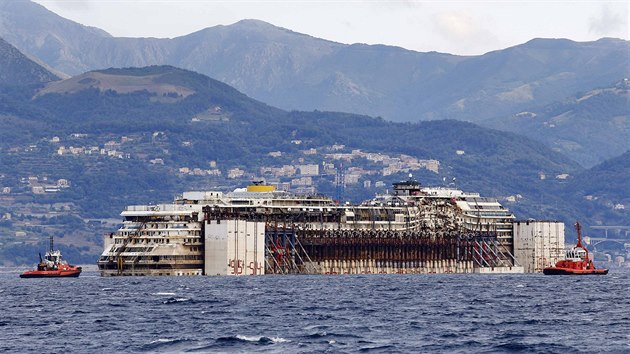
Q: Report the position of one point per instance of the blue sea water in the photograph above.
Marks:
(316, 314)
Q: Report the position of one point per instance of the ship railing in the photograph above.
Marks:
(123, 247)
(140, 208)
(160, 207)
(131, 226)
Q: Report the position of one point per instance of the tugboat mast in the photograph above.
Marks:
(578, 228)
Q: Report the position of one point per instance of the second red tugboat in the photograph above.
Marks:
(576, 261)
(52, 266)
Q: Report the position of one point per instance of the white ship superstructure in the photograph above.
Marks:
(162, 239)
(259, 230)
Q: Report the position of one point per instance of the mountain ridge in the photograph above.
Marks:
(297, 71)
(591, 126)
(19, 70)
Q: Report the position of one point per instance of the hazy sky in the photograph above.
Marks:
(458, 27)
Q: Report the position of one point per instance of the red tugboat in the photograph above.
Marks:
(52, 266)
(576, 262)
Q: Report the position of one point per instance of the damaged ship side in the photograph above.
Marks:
(264, 231)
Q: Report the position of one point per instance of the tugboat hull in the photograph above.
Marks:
(561, 271)
(52, 274)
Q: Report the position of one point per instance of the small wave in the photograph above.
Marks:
(318, 334)
(252, 339)
(173, 300)
(262, 339)
(345, 335)
(512, 347)
(211, 301)
(32, 305)
(107, 289)
(163, 342)
(520, 286)
(318, 326)
(383, 347)
(163, 294)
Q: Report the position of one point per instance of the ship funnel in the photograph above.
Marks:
(260, 187)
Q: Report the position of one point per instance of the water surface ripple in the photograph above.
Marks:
(316, 314)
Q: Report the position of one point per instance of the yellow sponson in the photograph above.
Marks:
(260, 188)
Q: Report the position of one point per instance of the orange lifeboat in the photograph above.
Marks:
(576, 261)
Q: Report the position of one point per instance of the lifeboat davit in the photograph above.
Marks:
(576, 261)
(52, 266)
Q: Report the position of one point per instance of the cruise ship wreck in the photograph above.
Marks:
(260, 230)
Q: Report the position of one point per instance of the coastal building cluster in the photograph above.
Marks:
(42, 184)
(358, 165)
(303, 170)
(110, 148)
(302, 174)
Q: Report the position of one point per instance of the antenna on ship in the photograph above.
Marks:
(51, 244)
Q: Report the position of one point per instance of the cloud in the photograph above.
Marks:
(610, 21)
(465, 31)
(407, 4)
(457, 26)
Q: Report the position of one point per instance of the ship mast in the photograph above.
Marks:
(579, 243)
(578, 228)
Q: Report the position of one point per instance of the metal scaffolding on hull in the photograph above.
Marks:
(372, 251)
(293, 246)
